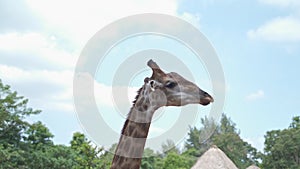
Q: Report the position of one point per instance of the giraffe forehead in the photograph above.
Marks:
(173, 76)
(177, 78)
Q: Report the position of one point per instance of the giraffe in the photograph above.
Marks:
(161, 89)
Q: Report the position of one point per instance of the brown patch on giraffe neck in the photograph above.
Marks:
(130, 149)
(135, 129)
(131, 145)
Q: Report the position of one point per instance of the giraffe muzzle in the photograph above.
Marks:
(205, 98)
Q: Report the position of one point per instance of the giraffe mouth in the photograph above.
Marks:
(206, 98)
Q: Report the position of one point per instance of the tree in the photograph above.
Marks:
(169, 146)
(86, 154)
(13, 111)
(228, 140)
(148, 161)
(51, 157)
(193, 139)
(11, 157)
(227, 126)
(107, 157)
(239, 151)
(199, 140)
(38, 134)
(176, 161)
(226, 137)
(25, 145)
(29, 145)
(282, 147)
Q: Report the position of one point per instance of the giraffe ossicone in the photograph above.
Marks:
(161, 89)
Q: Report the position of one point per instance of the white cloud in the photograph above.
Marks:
(34, 49)
(17, 75)
(282, 28)
(256, 95)
(16, 41)
(279, 29)
(49, 90)
(55, 88)
(79, 20)
(39, 65)
(105, 95)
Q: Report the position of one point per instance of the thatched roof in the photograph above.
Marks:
(214, 158)
(253, 167)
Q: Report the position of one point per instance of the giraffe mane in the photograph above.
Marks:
(137, 96)
(134, 102)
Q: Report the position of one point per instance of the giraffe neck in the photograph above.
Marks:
(131, 145)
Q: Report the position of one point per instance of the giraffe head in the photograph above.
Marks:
(176, 90)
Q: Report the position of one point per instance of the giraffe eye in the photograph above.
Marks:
(170, 84)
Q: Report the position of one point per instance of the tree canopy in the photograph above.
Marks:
(28, 145)
(282, 147)
(226, 137)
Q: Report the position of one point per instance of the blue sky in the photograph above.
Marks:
(257, 41)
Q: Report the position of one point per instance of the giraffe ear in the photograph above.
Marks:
(152, 85)
(157, 72)
(152, 64)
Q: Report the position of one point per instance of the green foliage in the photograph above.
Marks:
(199, 140)
(11, 157)
(148, 159)
(38, 134)
(227, 126)
(107, 157)
(176, 161)
(226, 137)
(27, 145)
(30, 146)
(169, 146)
(56, 156)
(13, 111)
(282, 147)
(229, 141)
(86, 154)
(239, 151)
(193, 139)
